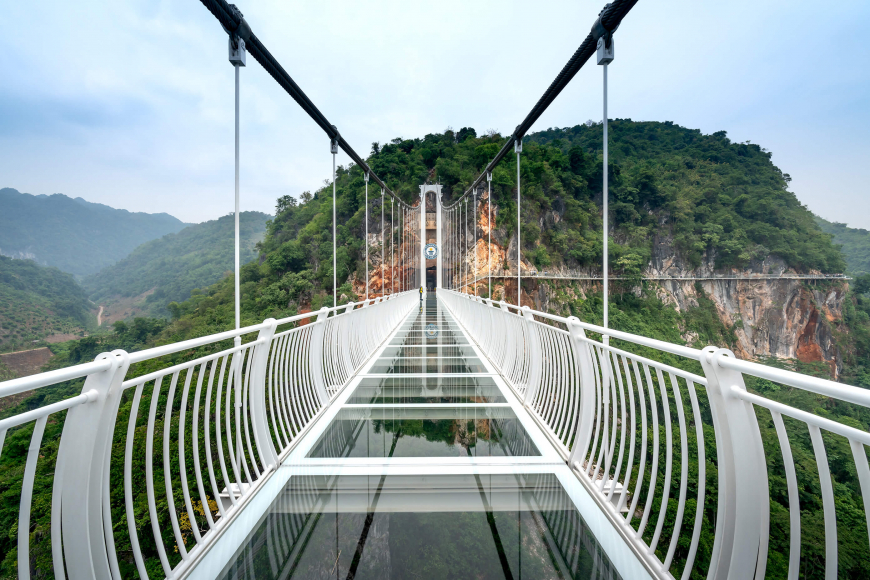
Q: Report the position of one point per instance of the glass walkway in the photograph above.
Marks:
(425, 466)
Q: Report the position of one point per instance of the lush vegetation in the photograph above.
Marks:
(36, 302)
(855, 243)
(169, 268)
(74, 235)
(716, 200)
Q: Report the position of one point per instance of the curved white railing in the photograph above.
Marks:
(194, 435)
(633, 429)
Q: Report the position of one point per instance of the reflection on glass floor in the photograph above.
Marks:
(499, 516)
(431, 431)
(428, 365)
(434, 350)
(434, 390)
(435, 527)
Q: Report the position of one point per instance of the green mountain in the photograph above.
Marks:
(37, 302)
(855, 242)
(709, 193)
(74, 235)
(704, 192)
(167, 269)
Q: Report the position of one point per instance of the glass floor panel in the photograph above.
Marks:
(432, 332)
(368, 527)
(429, 350)
(436, 431)
(429, 365)
(421, 340)
(416, 390)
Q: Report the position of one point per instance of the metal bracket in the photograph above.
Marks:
(237, 39)
(237, 51)
(489, 175)
(605, 50)
(366, 176)
(333, 143)
(603, 38)
(518, 145)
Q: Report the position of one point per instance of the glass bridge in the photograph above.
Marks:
(458, 437)
(426, 466)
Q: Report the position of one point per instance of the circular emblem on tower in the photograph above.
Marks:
(431, 251)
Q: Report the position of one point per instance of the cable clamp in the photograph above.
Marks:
(603, 38)
(237, 38)
(333, 143)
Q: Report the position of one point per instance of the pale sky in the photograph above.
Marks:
(130, 102)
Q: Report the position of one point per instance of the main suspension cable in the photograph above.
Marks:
(608, 21)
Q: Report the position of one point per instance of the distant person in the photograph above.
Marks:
(421, 294)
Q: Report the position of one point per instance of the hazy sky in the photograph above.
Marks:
(130, 102)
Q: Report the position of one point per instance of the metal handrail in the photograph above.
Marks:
(606, 409)
(214, 426)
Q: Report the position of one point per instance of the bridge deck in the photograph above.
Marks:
(425, 465)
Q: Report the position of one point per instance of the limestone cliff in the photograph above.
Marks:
(771, 313)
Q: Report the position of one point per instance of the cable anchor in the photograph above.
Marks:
(237, 38)
(603, 38)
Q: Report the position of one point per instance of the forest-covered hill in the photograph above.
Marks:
(177, 263)
(37, 302)
(712, 197)
(74, 235)
(855, 242)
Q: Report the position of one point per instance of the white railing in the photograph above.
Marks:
(177, 449)
(633, 429)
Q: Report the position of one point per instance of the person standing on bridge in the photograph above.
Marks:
(421, 294)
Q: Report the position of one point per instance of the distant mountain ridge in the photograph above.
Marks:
(38, 302)
(855, 242)
(167, 269)
(72, 234)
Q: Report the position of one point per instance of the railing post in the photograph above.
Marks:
(586, 420)
(743, 513)
(315, 355)
(81, 481)
(533, 347)
(259, 414)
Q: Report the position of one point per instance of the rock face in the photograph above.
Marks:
(774, 315)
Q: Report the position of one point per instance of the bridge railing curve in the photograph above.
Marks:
(182, 444)
(641, 432)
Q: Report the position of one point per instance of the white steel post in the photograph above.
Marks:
(439, 273)
(367, 232)
(257, 393)
(518, 148)
(237, 57)
(489, 223)
(383, 249)
(743, 512)
(83, 461)
(315, 355)
(586, 421)
(606, 217)
(534, 349)
(474, 244)
(464, 247)
(333, 147)
(605, 57)
(392, 254)
(422, 268)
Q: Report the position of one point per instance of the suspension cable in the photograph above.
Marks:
(608, 21)
(234, 24)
